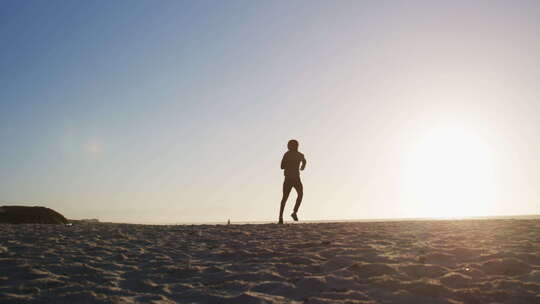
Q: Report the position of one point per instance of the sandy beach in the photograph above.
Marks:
(467, 261)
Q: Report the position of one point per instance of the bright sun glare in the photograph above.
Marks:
(449, 172)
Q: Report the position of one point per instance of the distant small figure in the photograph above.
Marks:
(291, 163)
(228, 221)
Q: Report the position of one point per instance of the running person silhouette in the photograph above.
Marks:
(290, 164)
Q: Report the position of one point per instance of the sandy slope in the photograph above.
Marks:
(482, 261)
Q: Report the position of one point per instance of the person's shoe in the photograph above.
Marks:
(280, 221)
(294, 217)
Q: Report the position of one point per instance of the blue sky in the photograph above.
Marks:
(171, 111)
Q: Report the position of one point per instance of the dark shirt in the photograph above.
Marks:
(291, 163)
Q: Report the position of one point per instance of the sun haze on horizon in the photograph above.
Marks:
(180, 111)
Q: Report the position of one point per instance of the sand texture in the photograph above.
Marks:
(470, 261)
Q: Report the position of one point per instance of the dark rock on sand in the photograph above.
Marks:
(30, 215)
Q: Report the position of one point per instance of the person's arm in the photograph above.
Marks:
(303, 163)
(283, 162)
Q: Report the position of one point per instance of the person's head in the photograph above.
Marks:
(292, 145)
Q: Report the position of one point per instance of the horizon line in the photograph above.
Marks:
(450, 218)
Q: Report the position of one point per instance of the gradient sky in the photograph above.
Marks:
(180, 111)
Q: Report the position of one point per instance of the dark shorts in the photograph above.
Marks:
(292, 182)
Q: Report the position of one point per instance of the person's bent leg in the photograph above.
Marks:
(300, 190)
(287, 186)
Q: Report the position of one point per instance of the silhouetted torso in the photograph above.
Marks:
(291, 163)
